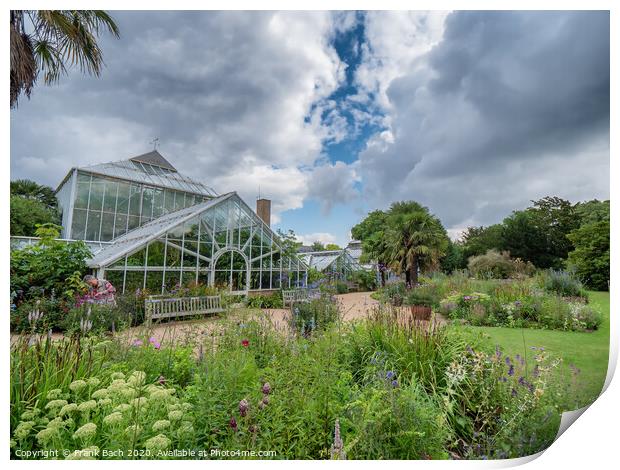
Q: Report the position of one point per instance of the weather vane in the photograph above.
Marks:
(155, 143)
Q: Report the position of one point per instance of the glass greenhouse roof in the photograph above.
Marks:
(321, 260)
(135, 239)
(151, 169)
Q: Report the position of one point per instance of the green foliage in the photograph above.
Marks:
(495, 265)
(264, 301)
(478, 240)
(341, 287)
(365, 280)
(454, 258)
(317, 246)
(316, 314)
(314, 276)
(332, 247)
(95, 319)
(590, 259)
(415, 239)
(31, 190)
(397, 390)
(52, 312)
(46, 266)
(27, 214)
(371, 232)
(562, 283)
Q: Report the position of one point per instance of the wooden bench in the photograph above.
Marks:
(289, 297)
(157, 307)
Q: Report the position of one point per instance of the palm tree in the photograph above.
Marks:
(415, 239)
(50, 41)
(32, 190)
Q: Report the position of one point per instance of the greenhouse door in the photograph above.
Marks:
(230, 270)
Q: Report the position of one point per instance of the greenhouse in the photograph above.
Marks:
(220, 242)
(101, 202)
(336, 264)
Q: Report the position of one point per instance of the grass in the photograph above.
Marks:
(588, 351)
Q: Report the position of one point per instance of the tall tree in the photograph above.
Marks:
(590, 259)
(50, 42)
(416, 239)
(371, 232)
(26, 214)
(318, 246)
(31, 190)
(477, 241)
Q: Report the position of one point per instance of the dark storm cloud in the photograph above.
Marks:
(501, 97)
(225, 92)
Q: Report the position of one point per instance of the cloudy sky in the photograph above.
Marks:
(472, 114)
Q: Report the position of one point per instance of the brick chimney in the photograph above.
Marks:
(263, 210)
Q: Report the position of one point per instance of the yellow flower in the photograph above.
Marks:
(175, 415)
(68, 409)
(87, 405)
(86, 431)
(78, 386)
(104, 402)
(30, 414)
(53, 394)
(157, 443)
(94, 382)
(113, 419)
(102, 393)
(55, 404)
(161, 425)
(46, 435)
(23, 429)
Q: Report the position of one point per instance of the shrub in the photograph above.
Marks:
(43, 268)
(365, 280)
(95, 319)
(52, 312)
(561, 283)
(395, 293)
(493, 265)
(264, 301)
(341, 287)
(315, 314)
(426, 295)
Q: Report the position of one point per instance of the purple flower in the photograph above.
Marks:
(266, 389)
(513, 392)
(511, 370)
(156, 344)
(243, 407)
(536, 371)
(394, 383)
(390, 374)
(518, 303)
(508, 362)
(498, 353)
(467, 297)
(233, 423)
(137, 342)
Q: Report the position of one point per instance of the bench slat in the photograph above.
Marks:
(155, 308)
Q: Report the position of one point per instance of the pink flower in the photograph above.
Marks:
(266, 388)
(245, 343)
(137, 342)
(156, 344)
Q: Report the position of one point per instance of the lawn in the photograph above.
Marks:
(588, 352)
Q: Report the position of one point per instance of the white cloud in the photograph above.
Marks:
(322, 237)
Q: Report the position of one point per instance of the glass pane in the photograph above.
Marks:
(173, 257)
(115, 278)
(78, 227)
(147, 202)
(191, 230)
(109, 197)
(83, 178)
(107, 227)
(178, 200)
(123, 198)
(137, 259)
(96, 194)
(93, 223)
(134, 200)
(134, 280)
(81, 197)
(153, 281)
(158, 202)
(168, 201)
(120, 225)
(171, 280)
(133, 222)
(156, 254)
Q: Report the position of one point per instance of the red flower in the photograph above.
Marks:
(245, 343)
